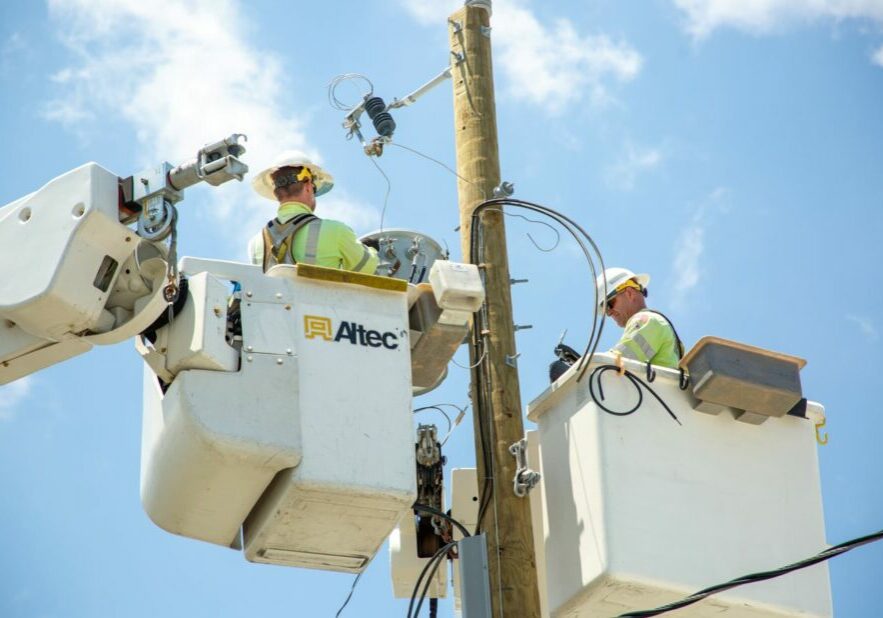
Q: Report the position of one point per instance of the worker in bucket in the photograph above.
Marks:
(296, 235)
(648, 335)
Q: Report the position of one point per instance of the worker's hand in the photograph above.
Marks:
(372, 242)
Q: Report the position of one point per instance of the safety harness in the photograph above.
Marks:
(679, 345)
(279, 239)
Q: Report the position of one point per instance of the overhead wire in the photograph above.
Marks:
(461, 412)
(536, 221)
(388, 190)
(438, 409)
(758, 577)
(350, 595)
(473, 365)
(439, 163)
(580, 236)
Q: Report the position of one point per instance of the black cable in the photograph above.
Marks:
(758, 577)
(576, 231)
(433, 608)
(349, 596)
(435, 560)
(579, 235)
(428, 509)
(438, 409)
(439, 560)
(595, 377)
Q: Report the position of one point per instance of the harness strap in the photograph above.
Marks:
(679, 345)
(279, 239)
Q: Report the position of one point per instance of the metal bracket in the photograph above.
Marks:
(514, 281)
(518, 327)
(525, 478)
(512, 361)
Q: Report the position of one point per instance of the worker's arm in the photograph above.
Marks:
(256, 249)
(354, 255)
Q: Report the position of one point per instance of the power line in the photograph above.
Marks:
(758, 577)
(349, 596)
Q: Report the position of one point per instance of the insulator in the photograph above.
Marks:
(382, 119)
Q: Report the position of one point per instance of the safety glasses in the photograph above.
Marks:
(611, 300)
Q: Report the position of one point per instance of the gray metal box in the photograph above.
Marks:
(736, 375)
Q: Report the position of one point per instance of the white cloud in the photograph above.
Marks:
(13, 394)
(182, 74)
(634, 160)
(690, 247)
(877, 57)
(765, 16)
(866, 326)
(549, 65)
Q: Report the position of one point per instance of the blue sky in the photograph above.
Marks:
(730, 149)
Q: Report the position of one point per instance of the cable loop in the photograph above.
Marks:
(595, 378)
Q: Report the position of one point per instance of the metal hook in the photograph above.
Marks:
(651, 373)
(684, 380)
(821, 440)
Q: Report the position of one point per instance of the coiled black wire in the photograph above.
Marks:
(638, 383)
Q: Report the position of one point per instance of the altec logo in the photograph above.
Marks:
(321, 327)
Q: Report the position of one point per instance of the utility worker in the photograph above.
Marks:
(648, 335)
(296, 235)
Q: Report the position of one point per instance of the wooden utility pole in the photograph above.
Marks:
(511, 557)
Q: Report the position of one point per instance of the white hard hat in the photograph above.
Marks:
(263, 182)
(615, 278)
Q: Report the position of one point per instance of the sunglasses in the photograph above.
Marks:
(611, 300)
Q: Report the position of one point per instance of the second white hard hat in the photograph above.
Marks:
(616, 277)
(263, 182)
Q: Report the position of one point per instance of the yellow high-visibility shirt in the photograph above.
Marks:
(324, 242)
(649, 337)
